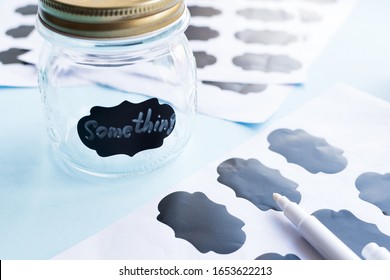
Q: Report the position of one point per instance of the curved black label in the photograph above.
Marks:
(127, 128)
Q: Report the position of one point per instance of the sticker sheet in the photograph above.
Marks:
(244, 50)
(16, 31)
(320, 19)
(269, 42)
(247, 41)
(331, 157)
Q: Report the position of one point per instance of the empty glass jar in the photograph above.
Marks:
(118, 82)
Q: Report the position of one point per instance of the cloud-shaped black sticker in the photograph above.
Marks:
(266, 15)
(267, 62)
(375, 188)
(10, 56)
(252, 180)
(266, 37)
(204, 59)
(21, 31)
(311, 152)
(276, 256)
(205, 224)
(354, 232)
(27, 10)
(127, 128)
(200, 33)
(198, 11)
(237, 87)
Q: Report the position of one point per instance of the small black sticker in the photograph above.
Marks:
(27, 10)
(237, 87)
(204, 59)
(197, 11)
(204, 223)
(276, 256)
(200, 33)
(267, 62)
(21, 31)
(127, 128)
(10, 56)
(265, 15)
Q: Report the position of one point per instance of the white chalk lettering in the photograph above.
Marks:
(89, 125)
(142, 124)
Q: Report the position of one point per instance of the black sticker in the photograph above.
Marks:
(204, 59)
(21, 31)
(197, 11)
(202, 222)
(200, 33)
(10, 56)
(127, 128)
(237, 87)
(27, 10)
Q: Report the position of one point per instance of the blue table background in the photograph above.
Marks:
(44, 211)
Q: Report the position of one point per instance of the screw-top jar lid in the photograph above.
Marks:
(109, 18)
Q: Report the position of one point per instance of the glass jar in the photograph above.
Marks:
(118, 82)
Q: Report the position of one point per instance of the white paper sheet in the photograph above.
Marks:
(225, 47)
(17, 74)
(250, 107)
(311, 23)
(320, 21)
(353, 122)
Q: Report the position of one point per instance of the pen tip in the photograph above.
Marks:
(276, 196)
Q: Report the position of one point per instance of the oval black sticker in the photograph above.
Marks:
(127, 128)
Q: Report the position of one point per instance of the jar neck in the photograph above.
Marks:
(146, 40)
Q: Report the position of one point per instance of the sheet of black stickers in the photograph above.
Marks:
(261, 41)
(18, 38)
(247, 41)
(247, 49)
(243, 50)
(330, 157)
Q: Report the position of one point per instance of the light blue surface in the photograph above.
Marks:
(44, 211)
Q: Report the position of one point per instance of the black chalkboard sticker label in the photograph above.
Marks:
(127, 128)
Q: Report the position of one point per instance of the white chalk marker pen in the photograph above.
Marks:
(318, 235)
(372, 251)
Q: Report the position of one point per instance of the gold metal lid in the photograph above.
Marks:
(109, 18)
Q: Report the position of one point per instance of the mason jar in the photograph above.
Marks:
(118, 83)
